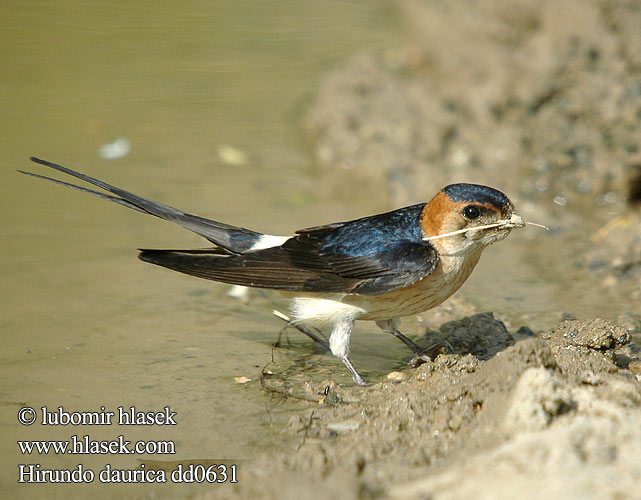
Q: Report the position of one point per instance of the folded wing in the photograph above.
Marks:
(327, 259)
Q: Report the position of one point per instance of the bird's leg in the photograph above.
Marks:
(339, 345)
(338, 342)
(358, 380)
(390, 326)
(421, 355)
(315, 337)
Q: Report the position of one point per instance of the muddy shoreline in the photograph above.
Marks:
(543, 100)
(555, 412)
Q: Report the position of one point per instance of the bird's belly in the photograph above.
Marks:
(438, 286)
(414, 299)
(320, 309)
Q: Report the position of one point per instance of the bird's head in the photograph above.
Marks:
(464, 218)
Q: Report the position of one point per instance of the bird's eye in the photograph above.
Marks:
(471, 212)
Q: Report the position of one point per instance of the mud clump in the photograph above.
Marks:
(480, 335)
(587, 346)
(540, 412)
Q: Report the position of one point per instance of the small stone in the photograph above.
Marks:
(525, 330)
(115, 150)
(242, 380)
(231, 155)
(635, 366)
(344, 427)
(396, 377)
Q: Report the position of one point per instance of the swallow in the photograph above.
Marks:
(376, 268)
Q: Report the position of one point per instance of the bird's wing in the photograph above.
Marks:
(232, 238)
(281, 269)
(368, 256)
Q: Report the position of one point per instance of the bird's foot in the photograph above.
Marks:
(422, 355)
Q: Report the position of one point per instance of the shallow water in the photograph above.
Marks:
(84, 323)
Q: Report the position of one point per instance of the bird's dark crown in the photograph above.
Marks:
(479, 194)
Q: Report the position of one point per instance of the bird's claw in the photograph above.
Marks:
(426, 355)
(418, 360)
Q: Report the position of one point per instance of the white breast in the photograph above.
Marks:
(446, 279)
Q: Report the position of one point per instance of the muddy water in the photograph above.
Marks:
(84, 324)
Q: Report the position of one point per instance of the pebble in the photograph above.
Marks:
(343, 427)
(231, 155)
(115, 150)
(396, 376)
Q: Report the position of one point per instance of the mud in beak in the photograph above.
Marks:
(515, 221)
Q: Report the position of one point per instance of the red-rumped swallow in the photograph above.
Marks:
(376, 268)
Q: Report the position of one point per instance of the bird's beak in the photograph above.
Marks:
(516, 221)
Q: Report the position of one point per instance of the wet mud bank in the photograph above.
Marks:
(553, 415)
(543, 101)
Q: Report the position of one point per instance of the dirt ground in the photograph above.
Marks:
(554, 415)
(542, 99)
